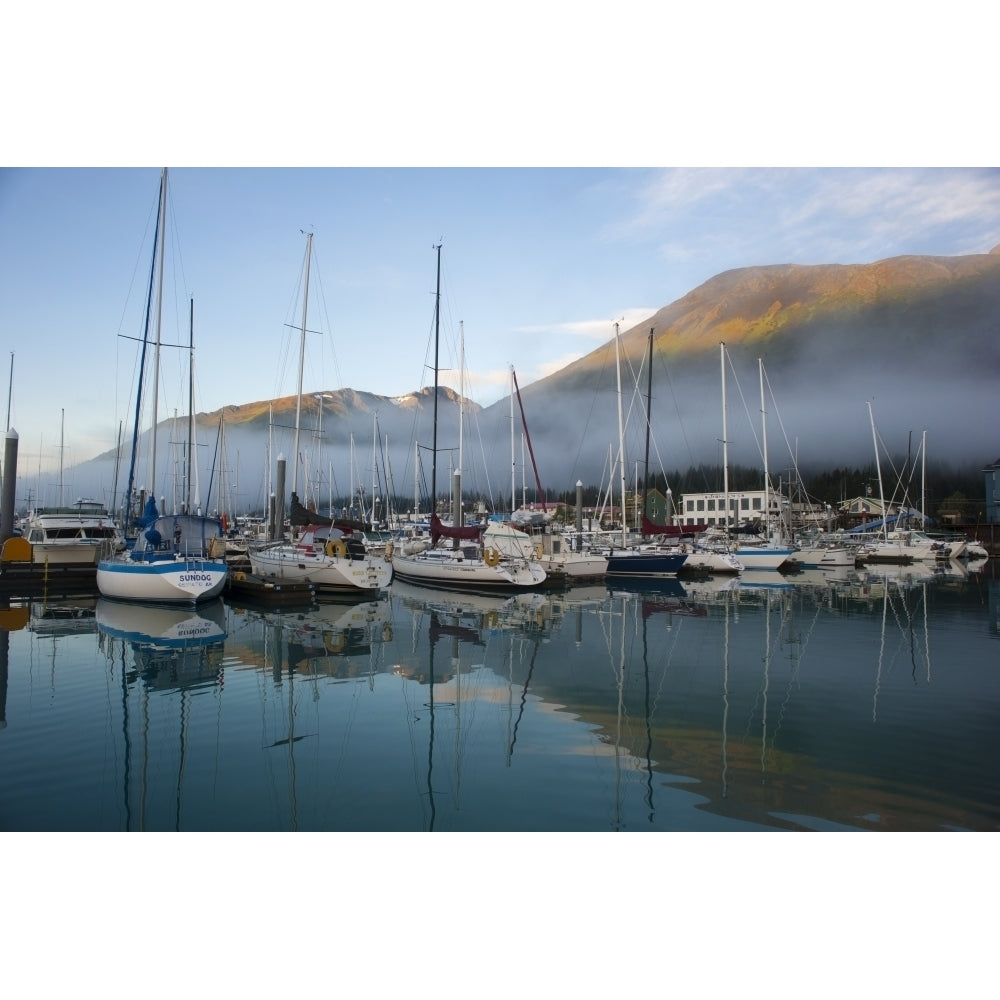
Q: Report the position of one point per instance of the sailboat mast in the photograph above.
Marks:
(767, 479)
(513, 463)
(649, 403)
(725, 437)
(621, 433)
(187, 475)
(388, 484)
(437, 332)
(62, 452)
(526, 439)
(923, 479)
(10, 388)
(159, 317)
(461, 396)
(302, 355)
(127, 511)
(878, 470)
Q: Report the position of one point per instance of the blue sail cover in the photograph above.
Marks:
(149, 513)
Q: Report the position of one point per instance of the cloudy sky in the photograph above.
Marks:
(540, 256)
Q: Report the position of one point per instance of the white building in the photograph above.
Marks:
(745, 507)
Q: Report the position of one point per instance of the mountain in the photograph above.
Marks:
(335, 446)
(919, 337)
(915, 336)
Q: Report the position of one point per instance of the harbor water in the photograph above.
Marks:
(861, 700)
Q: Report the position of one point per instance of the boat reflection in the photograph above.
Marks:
(340, 640)
(463, 652)
(176, 653)
(479, 613)
(63, 617)
(171, 647)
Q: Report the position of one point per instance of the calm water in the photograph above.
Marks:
(861, 702)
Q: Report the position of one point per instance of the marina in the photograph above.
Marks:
(829, 700)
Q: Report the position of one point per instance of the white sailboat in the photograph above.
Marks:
(329, 554)
(176, 558)
(766, 554)
(467, 561)
(554, 550)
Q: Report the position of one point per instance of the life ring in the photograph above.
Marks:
(334, 642)
(336, 549)
(491, 557)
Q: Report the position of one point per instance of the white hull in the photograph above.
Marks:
(453, 570)
(80, 535)
(975, 550)
(706, 561)
(298, 563)
(956, 549)
(763, 557)
(825, 556)
(574, 565)
(904, 546)
(72, 552)
(178, 581)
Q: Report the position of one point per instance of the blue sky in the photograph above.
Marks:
(516, 148)
(537, 264)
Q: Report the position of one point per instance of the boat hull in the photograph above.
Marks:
(307, 564)
(574, 565)
(825, 556)
(74, 552)
(645, 564)
(763, 557)
(175, 581)
(437, 569)
(706, 561)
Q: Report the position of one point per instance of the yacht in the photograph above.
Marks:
(79, 535)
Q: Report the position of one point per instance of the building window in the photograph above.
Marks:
(744, 503)
(711, 505)
(756, 503)
(701, 505)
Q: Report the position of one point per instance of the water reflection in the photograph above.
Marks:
(62, 617)
(709, 704)
(458, 648)
(172, 650)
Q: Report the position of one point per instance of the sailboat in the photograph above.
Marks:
(765, 554)
(650, 558)
(554, 550)
(176, 558)
(329, 554)
(468, 563)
